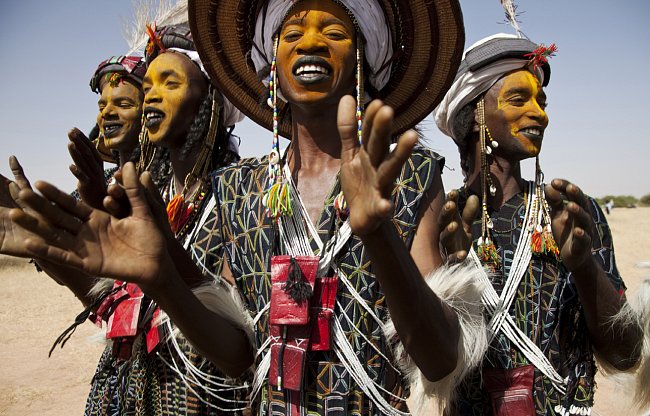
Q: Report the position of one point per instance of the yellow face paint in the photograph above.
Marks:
(316, 57)
(515, 114)
(174, 88)
(120, 112)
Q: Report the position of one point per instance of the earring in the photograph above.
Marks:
(542, 242)
(486, 249)
(277, 198)
(147, 150)
(340, 206)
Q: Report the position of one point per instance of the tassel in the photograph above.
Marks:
(341, 207)
(278, 200)
(488, 254)
(178, 212)
(296, 285)
(81, 318)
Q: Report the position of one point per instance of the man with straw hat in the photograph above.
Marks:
(554, 292)
(329, 239)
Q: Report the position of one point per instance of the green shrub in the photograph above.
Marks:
(645, 200)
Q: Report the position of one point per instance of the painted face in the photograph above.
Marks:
(120, 111)
(174, 88)
(515, 116)
(316, 56)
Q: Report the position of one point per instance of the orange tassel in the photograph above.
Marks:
(178, 212)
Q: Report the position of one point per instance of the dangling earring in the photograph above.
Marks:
(486, 249)
(542, 242)
(340, 206)
(185, 203)
(277, 198)
(147, 150)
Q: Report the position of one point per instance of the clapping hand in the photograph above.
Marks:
(369, 171)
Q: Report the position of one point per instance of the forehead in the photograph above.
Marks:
(517, 80)
(123, 88)
(173, 62)
(316, 11)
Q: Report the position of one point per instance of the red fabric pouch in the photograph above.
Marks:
(321, 313)
(284, 309)
(511, 391)
(124, 320)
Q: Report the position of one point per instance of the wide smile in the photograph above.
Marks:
(533, 132)
(111, 129)
(153, 117)
(311, 70)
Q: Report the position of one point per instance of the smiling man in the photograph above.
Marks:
(550, 302)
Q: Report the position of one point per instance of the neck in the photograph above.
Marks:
(316, 142)
(182, 166)
(505, 174)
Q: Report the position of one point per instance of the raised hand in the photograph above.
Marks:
(74, 234)
(368, 172)
(88, 168)
(571, 222)
(456, 227)
(12, 236)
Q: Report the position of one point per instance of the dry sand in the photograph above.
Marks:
(34, 311)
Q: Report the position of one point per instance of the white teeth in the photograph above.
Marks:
(149, 116)
(311, 68)
(532, 130)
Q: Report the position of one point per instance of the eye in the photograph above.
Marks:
(292, 36)
(336, 34)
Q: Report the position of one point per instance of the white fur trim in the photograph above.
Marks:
(224, 300)
(459, 287)
(101, 284)
(642, 306)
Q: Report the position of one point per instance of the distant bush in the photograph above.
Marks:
(620, 201)
(645, 200)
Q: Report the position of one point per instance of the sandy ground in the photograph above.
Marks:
(34, 311)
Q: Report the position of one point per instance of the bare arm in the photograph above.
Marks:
(574, 228)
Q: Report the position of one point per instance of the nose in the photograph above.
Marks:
(311, 43)
(537, 112)
(152, 95)
(108, 111)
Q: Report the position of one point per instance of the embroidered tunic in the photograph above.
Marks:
(249, 234)
(548, 310)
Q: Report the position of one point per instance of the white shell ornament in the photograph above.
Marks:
(274, 157)
(494, 144)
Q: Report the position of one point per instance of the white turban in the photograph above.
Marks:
(231, 114)
(471, 84)
(372, 22)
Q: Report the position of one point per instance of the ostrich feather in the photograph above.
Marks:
(511, 16)
(161, 12)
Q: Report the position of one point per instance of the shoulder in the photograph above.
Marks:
(243, 173)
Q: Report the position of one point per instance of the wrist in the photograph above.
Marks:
(585, 270)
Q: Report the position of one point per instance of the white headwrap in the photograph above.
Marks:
(471, 84)
(378, 48)
(231, 114)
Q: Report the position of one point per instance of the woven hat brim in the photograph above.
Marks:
(429, 34)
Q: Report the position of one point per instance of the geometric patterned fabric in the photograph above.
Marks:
(249, 238)
(547, 309)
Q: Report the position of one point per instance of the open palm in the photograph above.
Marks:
(369, 171)
(71, 233)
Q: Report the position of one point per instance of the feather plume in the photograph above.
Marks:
(160, 12)
(511, 16)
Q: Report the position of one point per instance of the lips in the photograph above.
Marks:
(153, 117)
(111, 128)
(311, 70)
(533, 132)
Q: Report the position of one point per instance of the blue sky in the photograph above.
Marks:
(599, 94)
